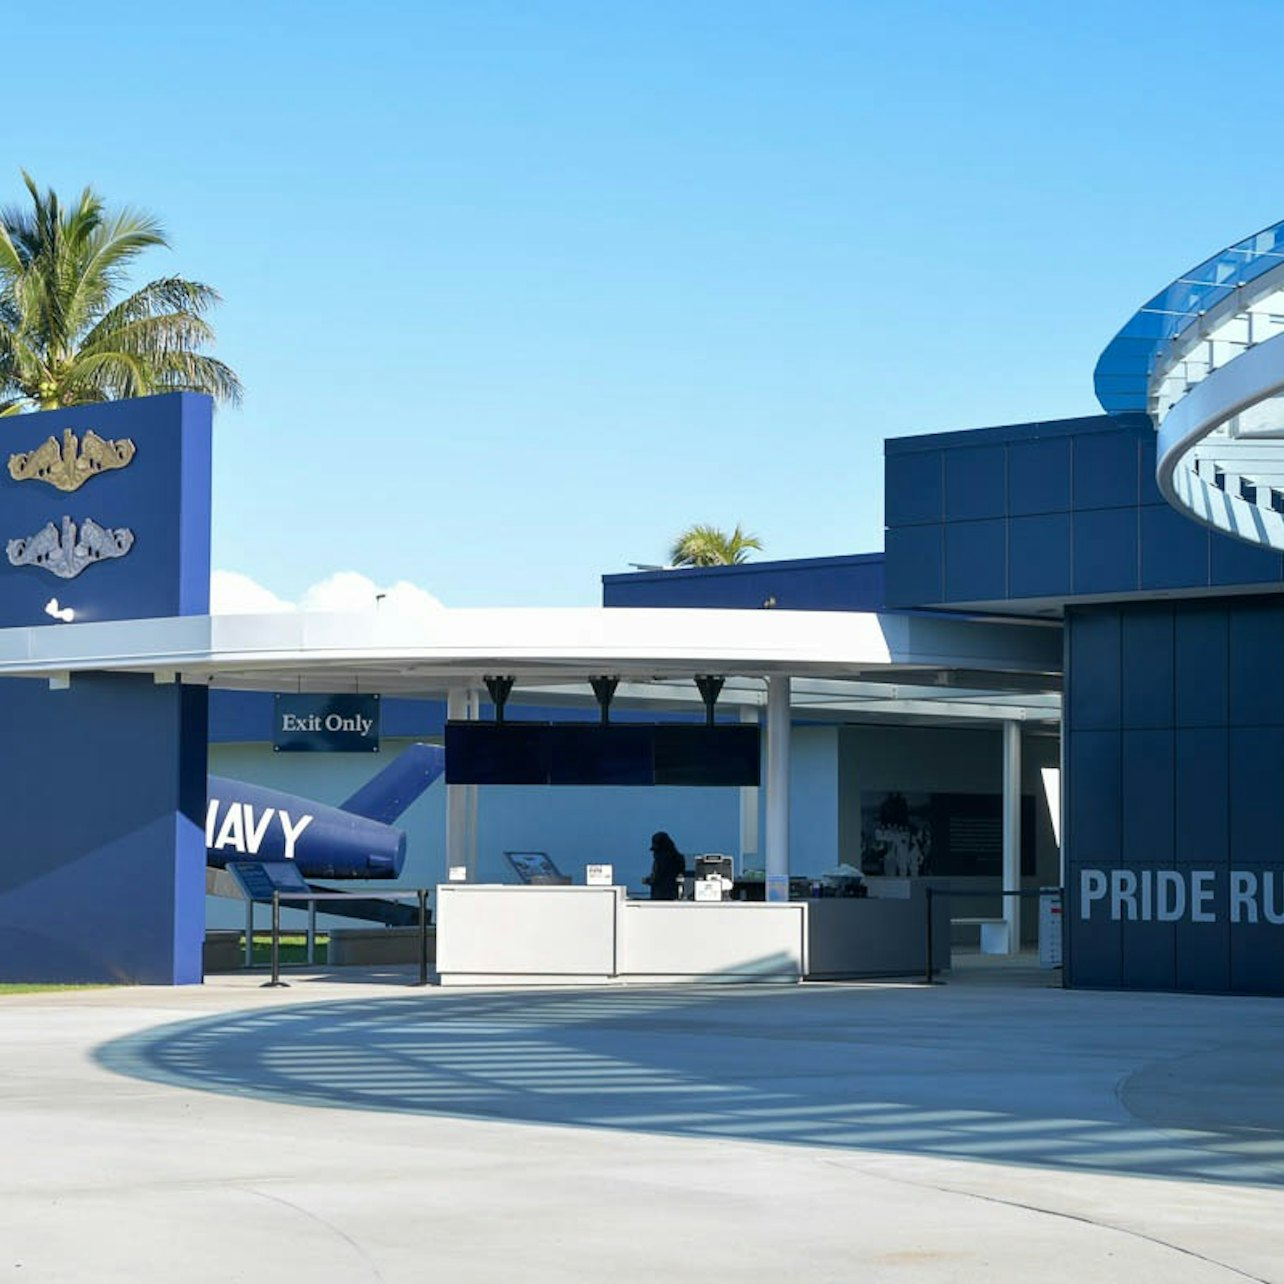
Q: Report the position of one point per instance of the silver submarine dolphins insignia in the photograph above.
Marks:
(66, 553)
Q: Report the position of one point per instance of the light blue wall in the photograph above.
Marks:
(612, 825)
(813, 800)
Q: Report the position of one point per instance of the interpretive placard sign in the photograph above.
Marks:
(326, 724)
(1049, 928)
(259, 879)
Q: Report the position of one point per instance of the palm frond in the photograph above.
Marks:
(66, 337)
(170, 295)
(703, 545)
(196, 372)
(99, 265)
(106, 376)
(147, 336)
(10, 259)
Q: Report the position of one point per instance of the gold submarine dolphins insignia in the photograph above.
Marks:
(70, 464)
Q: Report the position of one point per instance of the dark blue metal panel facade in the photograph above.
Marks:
(1046, 511)
(852, 583)
(1174, 693)
(1174, 790)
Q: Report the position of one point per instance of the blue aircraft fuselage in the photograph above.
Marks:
(354, 840)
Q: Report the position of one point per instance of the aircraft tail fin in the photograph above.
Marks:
(398, 785)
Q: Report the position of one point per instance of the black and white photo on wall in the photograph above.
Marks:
(913, 834)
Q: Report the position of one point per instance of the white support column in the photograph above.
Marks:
(457, 806)
(749, 841)
(471, 794)
(1012, 832)
(778, 729)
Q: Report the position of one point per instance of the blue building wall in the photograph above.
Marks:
(1046, 511)
(848, 583)
(162, 496)
(1174, 750)
(102, 845)
(815, 786)
(102, 851)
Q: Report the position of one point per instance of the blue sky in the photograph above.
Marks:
(518, 288)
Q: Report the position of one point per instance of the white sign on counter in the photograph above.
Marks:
(599, 875)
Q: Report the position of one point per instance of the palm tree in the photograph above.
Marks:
(711, 546)
(65, 335)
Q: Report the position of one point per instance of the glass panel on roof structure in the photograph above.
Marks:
(1248, 316)
(1222, 468)
(1124, 371)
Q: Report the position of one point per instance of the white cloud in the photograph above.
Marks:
(232, 593)
(350, 591)
(410, 599)
(342, 591)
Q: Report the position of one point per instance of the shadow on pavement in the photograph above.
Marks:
(1088, 1082)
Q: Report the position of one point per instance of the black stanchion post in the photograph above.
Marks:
(927, 980)
(423, 936)
(276, 981)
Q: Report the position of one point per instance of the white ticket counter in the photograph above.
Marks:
(712, 941)
(492, 934)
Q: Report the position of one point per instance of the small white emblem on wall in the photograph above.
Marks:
(66, 552)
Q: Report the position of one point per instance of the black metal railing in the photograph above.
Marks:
(419, 894)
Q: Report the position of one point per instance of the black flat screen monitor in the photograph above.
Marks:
(623, 753)
(593, 754)
(724, 754)
(496, 753)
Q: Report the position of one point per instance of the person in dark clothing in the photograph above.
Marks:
(668, 865)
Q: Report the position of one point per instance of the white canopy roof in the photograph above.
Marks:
(1013, 669)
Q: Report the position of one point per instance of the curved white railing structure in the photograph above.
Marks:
(1205, 360)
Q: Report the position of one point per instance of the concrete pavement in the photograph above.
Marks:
(345, 1132)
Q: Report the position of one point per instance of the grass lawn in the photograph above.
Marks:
(26, 988)
(294, 948)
